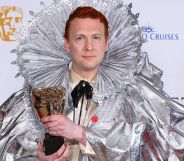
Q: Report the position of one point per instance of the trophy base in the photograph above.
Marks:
(52, 143)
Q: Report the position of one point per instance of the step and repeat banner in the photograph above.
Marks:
(164, 33)
(13, 13)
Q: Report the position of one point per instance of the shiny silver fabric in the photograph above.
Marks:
(20, 129)
(137, 121)
(139, 125)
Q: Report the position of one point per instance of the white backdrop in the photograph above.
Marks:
(165, 17)
(8, 82)
(165, 35)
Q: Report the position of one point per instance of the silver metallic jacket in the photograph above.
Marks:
(137, 121)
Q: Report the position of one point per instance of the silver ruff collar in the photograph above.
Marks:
(43, 61)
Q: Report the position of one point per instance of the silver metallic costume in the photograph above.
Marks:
(137, 120)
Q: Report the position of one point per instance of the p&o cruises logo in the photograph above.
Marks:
(149, 33)
(178, 99)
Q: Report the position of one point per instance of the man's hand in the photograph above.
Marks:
(61, 155)
(60, 125)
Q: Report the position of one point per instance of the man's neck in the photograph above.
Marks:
(85, 75)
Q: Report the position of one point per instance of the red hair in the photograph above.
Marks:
(86, 12)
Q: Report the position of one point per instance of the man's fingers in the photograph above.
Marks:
(66, 152)
(64, 155)
(50, 118)
(51, 124)
(54, 133)
(61, 150)
(40, 148)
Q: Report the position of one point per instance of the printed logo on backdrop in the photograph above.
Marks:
(150, 33)
(10, 22)
(179, 99)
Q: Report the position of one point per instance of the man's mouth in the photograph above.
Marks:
(88, 57)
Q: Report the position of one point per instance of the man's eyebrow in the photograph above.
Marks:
(91, 34)
(78, 34)
(83, 35)
(99, 34)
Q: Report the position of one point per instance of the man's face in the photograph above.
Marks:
(10, 25)
(86, 44)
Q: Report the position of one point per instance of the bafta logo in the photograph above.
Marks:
(10, 22)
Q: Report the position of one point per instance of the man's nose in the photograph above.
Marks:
(89, 45)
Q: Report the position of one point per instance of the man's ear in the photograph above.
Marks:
(107, 43)
(66, 46)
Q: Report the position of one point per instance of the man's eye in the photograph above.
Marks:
(79, 38)
(96, 37)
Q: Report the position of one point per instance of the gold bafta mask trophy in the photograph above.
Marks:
(49, 101)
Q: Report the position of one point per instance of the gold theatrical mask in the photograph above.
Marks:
(10, 22)
(49, 101)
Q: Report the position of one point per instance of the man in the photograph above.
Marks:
(10, 22)
(86, 40)
(129, 116)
